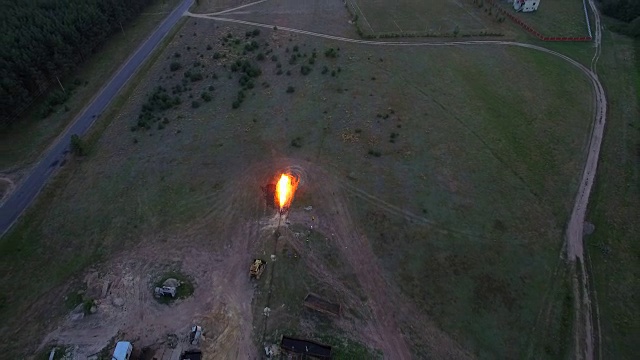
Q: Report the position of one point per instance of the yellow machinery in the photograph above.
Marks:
(257, 268)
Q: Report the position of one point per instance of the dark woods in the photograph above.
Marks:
(625, 10)
(44, 39)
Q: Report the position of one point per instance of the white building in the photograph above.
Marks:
(526, 5)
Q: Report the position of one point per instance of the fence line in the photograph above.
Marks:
(537, 34)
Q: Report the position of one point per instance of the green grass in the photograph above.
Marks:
(615, 204)
(23, 143)
(555, 18)
(412, 16)
(347, 349)
(488, 148)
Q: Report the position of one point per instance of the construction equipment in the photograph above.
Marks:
(257, 268)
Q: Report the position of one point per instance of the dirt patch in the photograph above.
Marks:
(126, 310)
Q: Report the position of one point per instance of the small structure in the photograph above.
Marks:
(315, 302)
(122, 351)
(306, 348)
(526, 5)
(192, 355)
(165, 291)
(195, 334)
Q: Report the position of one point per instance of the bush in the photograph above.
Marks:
(175, 66)
(290, 89)
(331, 53)
(209, 47)
(297, 142)
(195, 104)
(77, 145)
(374, 153)
(324, 70)
(216, 55)
(176, 55)
(274, 58)
(305, 70)
(295, 48)
(205, 96)
(260, 57)
(196, 76)
(235, 104)
(255, 32)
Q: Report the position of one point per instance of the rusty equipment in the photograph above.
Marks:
(257, 268)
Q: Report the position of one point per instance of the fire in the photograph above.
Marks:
(285, 189)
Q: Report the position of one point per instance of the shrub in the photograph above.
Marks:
(195, 104)
(255, 32)
(216, 55)
(274, 57)
(325, 70)
(297, 142)
(176, 55)
(211, 88)
(175, 66)
(196, 76)
(77, 145)
(295, 48)
(290, 89)
(235, 104)
(209, 47)
(331, 53)
(260, 57)
(305, 70)
(205, 96)
(312, 60)
(374, 153)
(293, 59)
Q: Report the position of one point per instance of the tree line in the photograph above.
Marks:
(44, 40)
(625, 10)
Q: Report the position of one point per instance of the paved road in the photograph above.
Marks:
(30, 186)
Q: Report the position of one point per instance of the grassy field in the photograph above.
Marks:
(411, 16)
(615, 207)
(556, 18)
(22, 144)
(479, 141)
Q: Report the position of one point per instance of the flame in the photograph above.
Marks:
(285, 189)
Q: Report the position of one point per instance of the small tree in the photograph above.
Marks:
(78, 146)
(456, 31)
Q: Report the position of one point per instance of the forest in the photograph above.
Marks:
(42, 40)
(625, 10)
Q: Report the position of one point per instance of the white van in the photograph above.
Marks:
(122, 351)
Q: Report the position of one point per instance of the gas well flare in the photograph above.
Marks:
(285, 189)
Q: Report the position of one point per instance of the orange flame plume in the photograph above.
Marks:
(285, 189)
